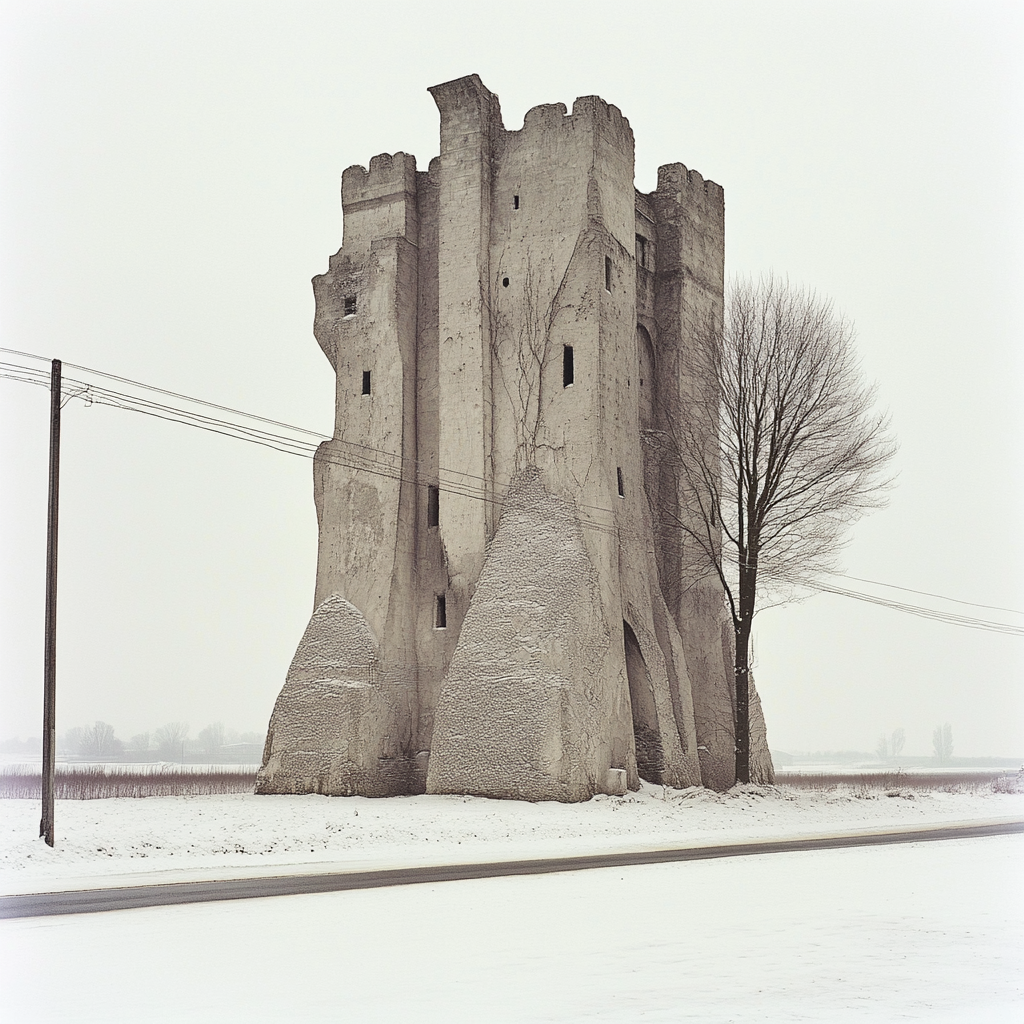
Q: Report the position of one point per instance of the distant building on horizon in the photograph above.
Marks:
(500, 605)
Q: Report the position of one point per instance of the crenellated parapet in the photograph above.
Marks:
(379, 202)
(691, 213)
(676, 181)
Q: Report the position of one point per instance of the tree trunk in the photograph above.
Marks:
(742, 625)
(742, 633)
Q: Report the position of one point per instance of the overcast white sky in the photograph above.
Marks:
(169, 183)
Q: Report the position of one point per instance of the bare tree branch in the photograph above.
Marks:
(778, 453)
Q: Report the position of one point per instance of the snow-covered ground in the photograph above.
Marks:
(929, 931)
(924, 932)
(103, 842)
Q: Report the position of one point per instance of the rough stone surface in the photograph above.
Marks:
(335, 726)
(509, 331)
(521, 713)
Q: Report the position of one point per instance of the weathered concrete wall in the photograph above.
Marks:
(762, 771)
(468, 113)
(500, 528)
(559, 238)
(433, 646)
(688, 291)
(364, 478)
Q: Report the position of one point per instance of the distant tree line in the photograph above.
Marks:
(171, 742)
(942, 742)
(890, 747)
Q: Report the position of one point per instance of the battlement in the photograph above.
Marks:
(604, 115)
(380, 202)
(389, 173)
(587, 111)
(545, 115)
(687, 186)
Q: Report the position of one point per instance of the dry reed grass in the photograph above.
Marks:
(897, 782)
(98, 782)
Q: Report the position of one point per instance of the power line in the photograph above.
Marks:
(358, 457)
(251, 416)
(927, 593)
(938, 615)
(379, 462)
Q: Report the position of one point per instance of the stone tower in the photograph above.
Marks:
(499, 604)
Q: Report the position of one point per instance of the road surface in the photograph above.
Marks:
(86, 901)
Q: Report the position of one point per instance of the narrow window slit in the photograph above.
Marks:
(567, 366)
(515, 202)
(433, 505)
(607, 273)
(504, 282)
(618, 476)
(440, 614)
(366, 382)
(350, 305)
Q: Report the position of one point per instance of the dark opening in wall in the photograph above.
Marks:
(645, 358)
(650, 755)
(350, 305)
(433, 505)
(641, 252)
(607, 273)
(618, 477)
(366, 382)
(515, 202)
(440, 615)
(504, 282)
(567, 366)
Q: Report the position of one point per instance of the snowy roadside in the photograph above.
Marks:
(164, 839)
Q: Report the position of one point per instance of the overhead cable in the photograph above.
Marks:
(365, 458)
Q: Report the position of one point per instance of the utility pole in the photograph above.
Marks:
(50, 639)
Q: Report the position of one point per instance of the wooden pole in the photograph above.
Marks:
(50, 639)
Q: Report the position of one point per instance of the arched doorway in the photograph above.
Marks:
(645, 359)
(650, 758)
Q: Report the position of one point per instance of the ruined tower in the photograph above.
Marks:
(499, 605)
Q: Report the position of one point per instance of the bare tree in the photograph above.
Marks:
(170, 740)
(72, 741)
(139, 743)
(896, 743)
(797, 456)
(100, 743)
(211, 739)
(942, 742)
(890, 746)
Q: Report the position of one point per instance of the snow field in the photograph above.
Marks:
(923, 932)
(105, 842)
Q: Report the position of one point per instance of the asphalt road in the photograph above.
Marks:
(88, 901)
